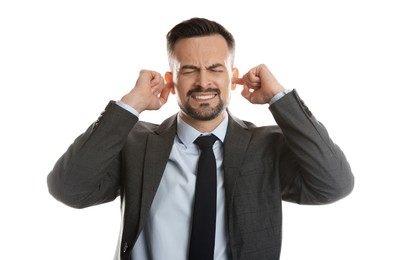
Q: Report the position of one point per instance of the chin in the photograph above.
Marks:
(204, 113)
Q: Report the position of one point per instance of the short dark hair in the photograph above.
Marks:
(197, 27)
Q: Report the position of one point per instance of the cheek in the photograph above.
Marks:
(183, 85)
(181, 92)
(226, 87)
(186, 82)
(226, 95)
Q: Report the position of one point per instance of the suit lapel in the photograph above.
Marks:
(158, 148)
(235, 145)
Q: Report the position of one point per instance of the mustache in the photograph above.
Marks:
(199, 89)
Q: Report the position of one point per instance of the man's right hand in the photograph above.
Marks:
(150, 92)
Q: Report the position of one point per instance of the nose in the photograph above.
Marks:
(204, 79)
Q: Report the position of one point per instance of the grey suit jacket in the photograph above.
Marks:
(295, 161)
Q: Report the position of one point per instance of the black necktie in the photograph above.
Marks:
(202, 239)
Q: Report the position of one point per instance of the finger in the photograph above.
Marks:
(164, 95)
(238, 81)
(253, 86)
(246, 92)
(158, 86)
(155, 91)
(252, 81)
(156, 79)
(251, 78)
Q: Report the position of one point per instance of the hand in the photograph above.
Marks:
(259, 85)
(150, 92)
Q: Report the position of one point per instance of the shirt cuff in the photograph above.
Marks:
(279, 96)
(127, 108)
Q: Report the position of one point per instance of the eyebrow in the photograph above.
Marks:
(213, 66)
(189, 67)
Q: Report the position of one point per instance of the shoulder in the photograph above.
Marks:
(144, 127)
(255, 130)
(260, 137)
(168, 126)
(265, 133)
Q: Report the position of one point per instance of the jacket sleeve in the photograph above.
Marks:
(88, 173)
(313, 169)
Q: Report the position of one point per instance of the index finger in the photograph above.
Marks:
(238, 81)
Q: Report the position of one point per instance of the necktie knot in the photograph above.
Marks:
(205, 141)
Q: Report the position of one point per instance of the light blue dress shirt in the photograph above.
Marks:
(167, 230)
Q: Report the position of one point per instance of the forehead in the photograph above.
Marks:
(204, 49)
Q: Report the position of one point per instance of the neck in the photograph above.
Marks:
(203, 126)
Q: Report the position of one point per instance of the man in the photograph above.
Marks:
(153, 168)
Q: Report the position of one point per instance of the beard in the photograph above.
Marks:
(204, 112)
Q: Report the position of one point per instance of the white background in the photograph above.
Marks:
(62, 61)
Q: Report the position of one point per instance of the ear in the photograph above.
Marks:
(169, 82)
(235, 74)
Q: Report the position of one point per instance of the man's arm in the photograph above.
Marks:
(313, 170)
(88, 173)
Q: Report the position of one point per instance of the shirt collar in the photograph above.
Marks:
(187, 134)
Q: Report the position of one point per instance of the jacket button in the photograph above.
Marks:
(125, 247)
(306, 108)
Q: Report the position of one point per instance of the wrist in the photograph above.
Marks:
(279, 95)
(134, 102)
(129, 108)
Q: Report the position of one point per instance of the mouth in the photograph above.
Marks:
(203, 97)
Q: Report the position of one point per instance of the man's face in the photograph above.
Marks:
(202, 76)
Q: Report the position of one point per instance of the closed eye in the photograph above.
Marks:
(188, 69)
(216, 67)
(184, 72)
